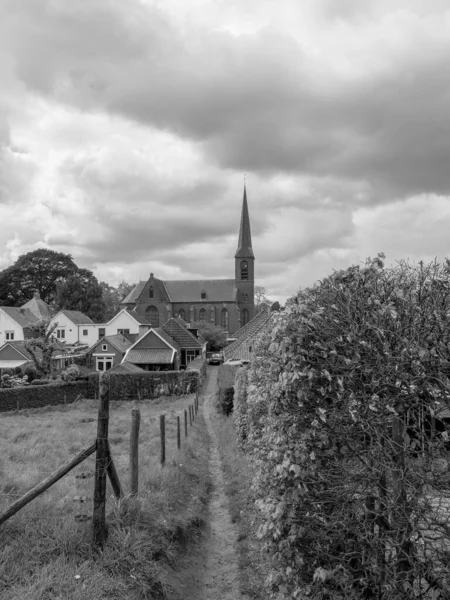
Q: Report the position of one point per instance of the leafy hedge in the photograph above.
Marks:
(42, 395)
(148, 384)
(349, 455)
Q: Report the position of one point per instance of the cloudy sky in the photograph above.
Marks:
(126, 129)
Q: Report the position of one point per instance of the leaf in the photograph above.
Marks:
(296, 469)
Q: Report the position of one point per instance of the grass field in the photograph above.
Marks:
(46, 554)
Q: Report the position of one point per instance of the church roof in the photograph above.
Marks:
(135, 293)
(244, 248)
(217, 290)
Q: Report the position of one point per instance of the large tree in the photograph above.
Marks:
(215, 336)
(112, 297)
(83, 292)
(37, 271)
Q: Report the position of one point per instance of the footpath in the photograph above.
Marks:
(210, 570)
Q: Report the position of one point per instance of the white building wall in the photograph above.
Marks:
(123, 320)
(89, 334)
(8, 324)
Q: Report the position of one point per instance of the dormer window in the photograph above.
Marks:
(203, 295)
(150, 292)
(244, 269)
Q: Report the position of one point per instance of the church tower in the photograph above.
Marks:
(244, 261)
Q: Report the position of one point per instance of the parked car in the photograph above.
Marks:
(216, 359)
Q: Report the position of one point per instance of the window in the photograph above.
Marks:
(123, 331)
(244, 269)
(224, 318)
(9, 335)
(203, 295)
(152, 316)
(150, 292)
(104, 364)
(244, 317)
(190, 356)
(104, 347)
(101, 333)
(249, 348)
(85, 331)
(182, 314)
(202, 315)
(61, 334)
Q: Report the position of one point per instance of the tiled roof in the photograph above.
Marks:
(167, 337)
(125, 367)
(77, 317)
(217, 290)
(22, 316)
(180, 334)
(249, 334)
(134, 294)
(139, 318)
(38, 307)
(150, 356)
(19, 345)
(118, 341)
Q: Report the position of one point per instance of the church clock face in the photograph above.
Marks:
(244, 264)
(244, 269)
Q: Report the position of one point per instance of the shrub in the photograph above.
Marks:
(18, 370)
(240, 406)
(31, 373)
(342, 413)
(71, 373)
(9, 372)
(225, 401)
(39, 382)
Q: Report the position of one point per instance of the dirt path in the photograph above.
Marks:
(210, 572)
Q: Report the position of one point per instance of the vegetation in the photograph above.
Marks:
(47, 554)
(42, 347)
(82, 292)
(215, 335)
(339, 418)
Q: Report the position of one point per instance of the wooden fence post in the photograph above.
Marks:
(162, 430)
(101, 464)
(190, 416)
(134, 450)
(178, 433)
(185, 423)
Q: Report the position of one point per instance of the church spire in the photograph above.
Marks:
(244, 249)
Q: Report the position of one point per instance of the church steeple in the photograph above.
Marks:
(244, 248)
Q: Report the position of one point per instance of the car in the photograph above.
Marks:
(216, 359)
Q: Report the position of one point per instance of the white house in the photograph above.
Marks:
(127, 322)
(14, 323)
(75, 327)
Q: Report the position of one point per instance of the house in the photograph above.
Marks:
(126, 322)
(155, 351)
(228, 303)
(75, 327)
(15, 323)
(38, 307)
(15, 354)
(243, 348)
(191, 346)
(108, 352)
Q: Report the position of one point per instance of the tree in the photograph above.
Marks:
(213, 334)
(82, 292)
(37, 271)
(275, 306)
(112, 297)
(42, 346)
(260, 297)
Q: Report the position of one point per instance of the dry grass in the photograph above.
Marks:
(238, 475)
(46, 554)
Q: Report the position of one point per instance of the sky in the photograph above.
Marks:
(127, 129)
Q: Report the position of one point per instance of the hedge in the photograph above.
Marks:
(199, 365)
(147, 385)
(42, 395)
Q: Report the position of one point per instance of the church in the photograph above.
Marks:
(228, 303)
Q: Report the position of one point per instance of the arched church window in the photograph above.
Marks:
(244, 269)
(150, 292)
(224, 318)
(244, 317)
(203, 295)
(202, 315)
(182, 314)
(152, 316)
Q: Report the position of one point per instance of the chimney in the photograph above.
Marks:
(37, 295)
(22, 310)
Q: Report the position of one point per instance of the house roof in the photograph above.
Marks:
(22, 316)
(19, 346)
(38, 307)
(119, 341)
(180, 334)
(150, 356)
(77, 317)
(138, 318)
(239, 349)
(125, 367)
(217, 290)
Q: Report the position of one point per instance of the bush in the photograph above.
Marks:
(39, 382)
(225, 401)
(343, 431)
(9, 372)
(71, 373)
(31, 373)
(18, 370)
(240, 406)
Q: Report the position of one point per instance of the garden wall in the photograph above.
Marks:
(148, 384)
(43, 395)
